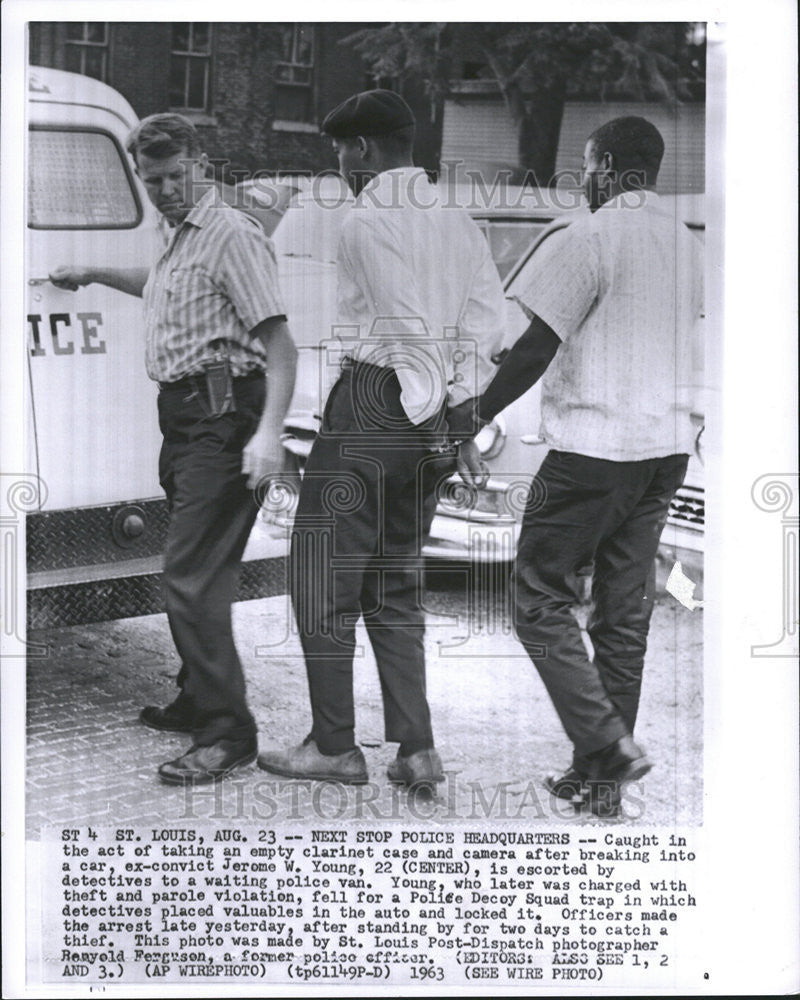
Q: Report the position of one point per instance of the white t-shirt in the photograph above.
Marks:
(622, 288)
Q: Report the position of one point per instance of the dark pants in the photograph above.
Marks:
(211, 514)
(582, 511)
(366, 503)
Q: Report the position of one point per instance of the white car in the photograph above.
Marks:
(469, 526)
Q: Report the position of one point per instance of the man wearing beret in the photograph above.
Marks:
(421, 305)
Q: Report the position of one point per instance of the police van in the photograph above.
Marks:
(94, 544)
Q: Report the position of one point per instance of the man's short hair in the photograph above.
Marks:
(398, 143)
(162, 136)
(634, 142)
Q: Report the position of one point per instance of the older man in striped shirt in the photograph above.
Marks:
(214, 326)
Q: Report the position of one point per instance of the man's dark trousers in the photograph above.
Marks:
(584, 511)
(366, 503)
(211, 514)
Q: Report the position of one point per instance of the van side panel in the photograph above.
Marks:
(96, 435)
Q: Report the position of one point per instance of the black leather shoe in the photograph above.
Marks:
(622, 761)
(569, 785)
(602, 798)
(201, 765)
(419, 770)
(169, 720)
(609, 769)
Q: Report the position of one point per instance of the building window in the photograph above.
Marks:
(294, 74)
(87, 48)
(190, 66)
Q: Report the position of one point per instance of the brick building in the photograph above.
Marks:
(255, 91)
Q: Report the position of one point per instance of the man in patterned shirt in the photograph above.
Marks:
(214, 326)
(615, 299)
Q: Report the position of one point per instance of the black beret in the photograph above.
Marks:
(372, 112)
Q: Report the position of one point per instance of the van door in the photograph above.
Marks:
(95, 430)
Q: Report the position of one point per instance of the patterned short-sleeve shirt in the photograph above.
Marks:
(622, 289)
(215, 282)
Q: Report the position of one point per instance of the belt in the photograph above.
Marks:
(190, 381)
(349, 363)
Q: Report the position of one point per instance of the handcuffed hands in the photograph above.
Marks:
(471, 467)
(463, 420)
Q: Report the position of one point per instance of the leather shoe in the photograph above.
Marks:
(203, 764)
(171, 719)
(570, 784)
(602, 798)
(609, 769)
(306, 761)
(622, 761)
(422, 769)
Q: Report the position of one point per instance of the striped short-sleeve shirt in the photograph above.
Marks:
(215, 282)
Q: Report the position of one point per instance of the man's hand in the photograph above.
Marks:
(263, 456)
(70, 278)
(463, 420)
(471, 467)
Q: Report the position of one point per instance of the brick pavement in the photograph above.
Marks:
(90, 761)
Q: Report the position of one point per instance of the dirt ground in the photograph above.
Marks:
(89, 760)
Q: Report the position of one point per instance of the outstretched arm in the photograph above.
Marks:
(129, 279)
(522, 367)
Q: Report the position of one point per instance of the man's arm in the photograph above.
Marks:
(129, 279)
(560, 289)
(522, 367)
(263, 455)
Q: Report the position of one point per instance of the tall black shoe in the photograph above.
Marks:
(622, 761)
(570, 784)
(610, 769)
(171, 719)
(201, 765)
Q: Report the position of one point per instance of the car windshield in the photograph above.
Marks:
(509, 238)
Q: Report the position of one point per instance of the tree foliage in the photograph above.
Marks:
(537, 67)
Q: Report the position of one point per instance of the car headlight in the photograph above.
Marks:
(457, 499)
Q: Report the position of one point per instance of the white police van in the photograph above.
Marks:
(94, 545)
(94, 417)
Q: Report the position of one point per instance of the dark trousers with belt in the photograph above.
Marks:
(584, 511)
(366, 503)
(211, 514)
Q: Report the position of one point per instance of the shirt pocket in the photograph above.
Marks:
(189, 298)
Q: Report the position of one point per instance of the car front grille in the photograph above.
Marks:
(687, 508)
